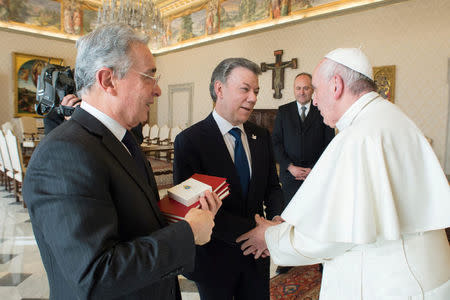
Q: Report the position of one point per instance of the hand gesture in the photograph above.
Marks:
(254, 241)
(299, 173)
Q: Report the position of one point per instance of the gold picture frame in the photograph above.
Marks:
(26, 69)
(384, 78)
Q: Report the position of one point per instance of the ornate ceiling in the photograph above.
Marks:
(167, 7)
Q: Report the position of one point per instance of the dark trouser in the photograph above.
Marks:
(290, 187)
(245, 286)
(224, 273)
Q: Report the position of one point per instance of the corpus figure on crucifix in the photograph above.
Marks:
(278, 72)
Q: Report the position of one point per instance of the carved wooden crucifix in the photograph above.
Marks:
(278, 72)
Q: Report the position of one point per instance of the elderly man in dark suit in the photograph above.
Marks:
(226, 145)
(299, 137)
(92, 196)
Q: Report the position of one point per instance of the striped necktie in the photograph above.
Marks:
(303, 115)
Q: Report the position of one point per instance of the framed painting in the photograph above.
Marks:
(26, 69)
(384, 78)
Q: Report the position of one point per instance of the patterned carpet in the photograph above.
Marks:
(300, 283)
(163, 173)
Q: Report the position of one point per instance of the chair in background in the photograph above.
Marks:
(163, 142)
(15, 153)
(163, 145)
(6, 162)
(7, 125)
(28, 136)
(153, 136)
(145, 132)
(29, 128)
(164, 134)
(173, 134)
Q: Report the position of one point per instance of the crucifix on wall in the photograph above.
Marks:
(278, 72)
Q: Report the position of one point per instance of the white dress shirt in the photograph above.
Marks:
(307, 105)
(225, 127)
(117, 130)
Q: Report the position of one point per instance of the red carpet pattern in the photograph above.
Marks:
(300, 283)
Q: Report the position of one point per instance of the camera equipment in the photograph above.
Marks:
(53, 84)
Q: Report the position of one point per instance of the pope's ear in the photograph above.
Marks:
(106, 80)
(338, 86)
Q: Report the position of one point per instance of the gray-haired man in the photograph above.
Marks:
(92, 196)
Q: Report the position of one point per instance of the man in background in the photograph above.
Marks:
(378, 227)
(226, 145)
(91, 194)
(299, 137)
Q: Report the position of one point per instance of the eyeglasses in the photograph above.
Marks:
(155, 78)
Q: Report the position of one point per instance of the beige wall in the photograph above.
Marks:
(414, 35)
(29, 44)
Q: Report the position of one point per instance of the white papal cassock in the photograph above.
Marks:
(372, 210)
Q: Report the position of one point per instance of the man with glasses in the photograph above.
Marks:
(91, 194)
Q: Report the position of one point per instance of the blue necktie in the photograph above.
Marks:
(240, 161)
(130, 142)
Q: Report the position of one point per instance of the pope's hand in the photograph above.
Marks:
(254, 241)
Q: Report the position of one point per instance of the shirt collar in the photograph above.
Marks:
(224, 125)
(117, 130)
(351, 113)
(300, 105)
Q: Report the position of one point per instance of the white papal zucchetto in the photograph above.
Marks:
(352, 58)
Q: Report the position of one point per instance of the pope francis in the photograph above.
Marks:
(379, 227)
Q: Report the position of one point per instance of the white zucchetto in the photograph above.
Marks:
(352, 58)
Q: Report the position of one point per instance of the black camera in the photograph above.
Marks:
(53, 84)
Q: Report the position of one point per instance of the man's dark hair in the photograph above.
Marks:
(224, 69)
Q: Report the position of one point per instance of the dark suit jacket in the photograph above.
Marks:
(53, 120)
(96, 221)
(299, 143)
(201, 149)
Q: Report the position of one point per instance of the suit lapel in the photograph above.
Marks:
(116, 148)
(220, 149)
(309, 120)
(293, 116)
